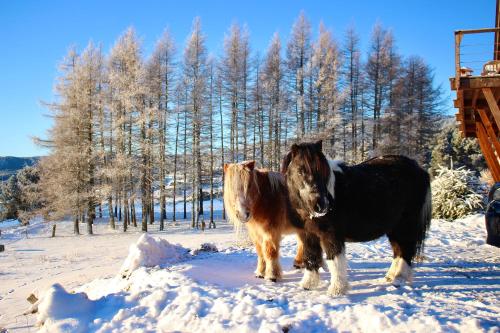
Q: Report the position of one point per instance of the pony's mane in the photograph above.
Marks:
(276, 181)
(335, 166)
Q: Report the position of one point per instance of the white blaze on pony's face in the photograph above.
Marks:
(308, 174)
(238, 178)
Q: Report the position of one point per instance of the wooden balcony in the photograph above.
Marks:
(477, 103)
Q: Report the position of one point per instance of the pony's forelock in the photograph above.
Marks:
(231, 179)
(236, 178)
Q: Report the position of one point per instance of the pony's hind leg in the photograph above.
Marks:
(298, 262)
(271, 256)
(401, 271)
(337, 265)
(312, 261)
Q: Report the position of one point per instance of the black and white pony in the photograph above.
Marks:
(335, 203)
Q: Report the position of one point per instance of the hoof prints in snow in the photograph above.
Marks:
(455, 289)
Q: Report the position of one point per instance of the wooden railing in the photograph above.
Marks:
(458, 40)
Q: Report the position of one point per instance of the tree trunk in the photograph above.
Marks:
(110, 211)
(76, 226)
(222, 143)
(175, 168)
(132, 212)
(185, 159)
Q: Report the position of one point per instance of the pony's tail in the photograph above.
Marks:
(424, 221)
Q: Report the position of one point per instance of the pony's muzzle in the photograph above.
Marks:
(321, 207)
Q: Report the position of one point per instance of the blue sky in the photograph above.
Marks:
(35, 35)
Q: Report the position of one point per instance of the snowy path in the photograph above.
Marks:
(457, 288)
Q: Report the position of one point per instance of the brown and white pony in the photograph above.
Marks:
(258, 198)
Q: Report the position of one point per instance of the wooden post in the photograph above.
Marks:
(2, 248)
(458, 40)
(53, 231)
(496, 47)
(488, 153)
(461, 112)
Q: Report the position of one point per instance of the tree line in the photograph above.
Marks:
(131, 130)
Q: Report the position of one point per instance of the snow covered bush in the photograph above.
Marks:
(456, 193)
(451, 148)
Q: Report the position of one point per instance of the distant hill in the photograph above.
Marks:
(10, 164)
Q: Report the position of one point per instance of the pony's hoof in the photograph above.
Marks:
(273, 278)
(310, 280)
(337, 290)
(399, 282)
(259, 276)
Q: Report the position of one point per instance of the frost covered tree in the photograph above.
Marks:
(31, 199)
(298, 54)
(452, 149)
(68, 173)
(211, 116)
(456, 193)
(20, 195)
(376, 68)
(326, 66)
(235, 74)
(273, 90)
(126, 103)
(160, 71)
(195, 73)
(10, 198)
(417, 108)
(352, 82)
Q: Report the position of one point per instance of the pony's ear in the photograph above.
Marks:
(295, 147)
(249, 165)
(225, 167)
(319, 145)
(286, 160)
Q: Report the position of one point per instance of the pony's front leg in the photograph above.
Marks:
(337, 265)
(312, 261)
(271, 255)
(256, 237)
(261, 264)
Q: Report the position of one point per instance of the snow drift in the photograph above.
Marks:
(150, 252)
(64, 312)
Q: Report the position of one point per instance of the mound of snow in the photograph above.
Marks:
(63, 311)
(150, 252)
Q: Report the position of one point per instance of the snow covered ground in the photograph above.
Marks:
(104, 286)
